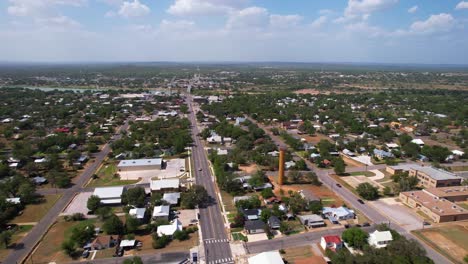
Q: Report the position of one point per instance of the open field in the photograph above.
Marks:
(17, 236)
(362, 173)
(49, 249)
(298, 254)
(34, 212)
(106, 177)
(449, 239)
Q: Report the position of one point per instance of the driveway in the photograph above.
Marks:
(78, 204)
(398, 213)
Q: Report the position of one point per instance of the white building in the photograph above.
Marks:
(380, 239)
(340, 213)
(161, 212)
(169, 230)
(140, 164)
(138, 213)
(109, 195)
(271, 257)
(165, 185)
(418, 142)
(171, 198)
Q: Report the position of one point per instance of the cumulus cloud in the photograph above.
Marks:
(362, 9)
(319, 22)
(279, 21)
(435, 23)
(251, 17)
(413, 9)
(204, 7)
(133, 9)
(462, 5)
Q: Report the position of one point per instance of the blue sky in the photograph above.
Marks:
(387, 31)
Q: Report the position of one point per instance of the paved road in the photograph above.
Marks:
(215, 240)
(160, 258)
(351, 199)
(27, 244)
(298, 240)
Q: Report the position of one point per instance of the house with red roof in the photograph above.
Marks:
(333, 243)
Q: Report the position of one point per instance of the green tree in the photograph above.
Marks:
(267, 193)
(181, 235)
(313, 178)
(5, 239)
(113, 225)
(195, 196)
(355, 237)
(93, 203)
(160, 241)
(134, 260)
(258, 179)
(339, 166)
(315, 206)
(294, 176)
(367, 191)
(131, 224)
(68, 247)
(134, 196)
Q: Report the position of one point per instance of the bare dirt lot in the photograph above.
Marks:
(451, 239)
(252, 168)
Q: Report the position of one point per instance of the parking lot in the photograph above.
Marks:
(399, 213)
(78, 204)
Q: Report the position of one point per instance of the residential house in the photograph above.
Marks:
(127, 244)
(274, 222)
(380, 239)
(311, 220)
(138, 213)
(38, 180)
(418, 142)
(171, 198)
(161, 212)
(254, 226)
(169, 230)
(340, 213)
(382, 154)
(101, 242)
(252, 214)
(333, 243)
(271, 257)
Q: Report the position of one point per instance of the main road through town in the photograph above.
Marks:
(351, 199)
(215, 240)
(27, 244)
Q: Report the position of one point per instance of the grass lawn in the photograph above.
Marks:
(328, 201)
(229, 205)
(17, 235)
(239, 236)
(296, 226)
(49, 249)
(35, 212)
(362, 173)
(459, 168)
(106, 177)
(293, 254)
(174, 246)
(451, 240)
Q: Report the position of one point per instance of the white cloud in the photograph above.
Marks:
(365, 28)
(413, 9)
(279, 21)
(133, 9)
(38, 7)
(248, 18)
(59, 22)
(435, 23)
(204, 7)
(462, 5)
(319, 22)
(176, 26)
(362, 9)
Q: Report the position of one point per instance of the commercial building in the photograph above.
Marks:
(438, 209)
(109, 195)
(453, 193)
(140, 164)
(165, 185)
(428, 177)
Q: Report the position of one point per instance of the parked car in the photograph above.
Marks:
(338, 185)
(365, 224)
(199, 169)
(194, 257)
(85, 254)
(360, 201)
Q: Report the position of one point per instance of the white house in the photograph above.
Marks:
(380, 239)
(171, 198)
(271, 257)
(169, 230)
(418, 142)
(16, 200)
(109, 195)
(161, 212)
(138, 213)
(340, 213)
(165, 185)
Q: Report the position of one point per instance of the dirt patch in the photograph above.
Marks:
(310, 91)
(250, 169)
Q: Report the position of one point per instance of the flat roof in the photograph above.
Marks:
(438, 206)
(140, 162)
(448, 191)
(109, 192)
(438, 174)
(164, 184)
(271, 257)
